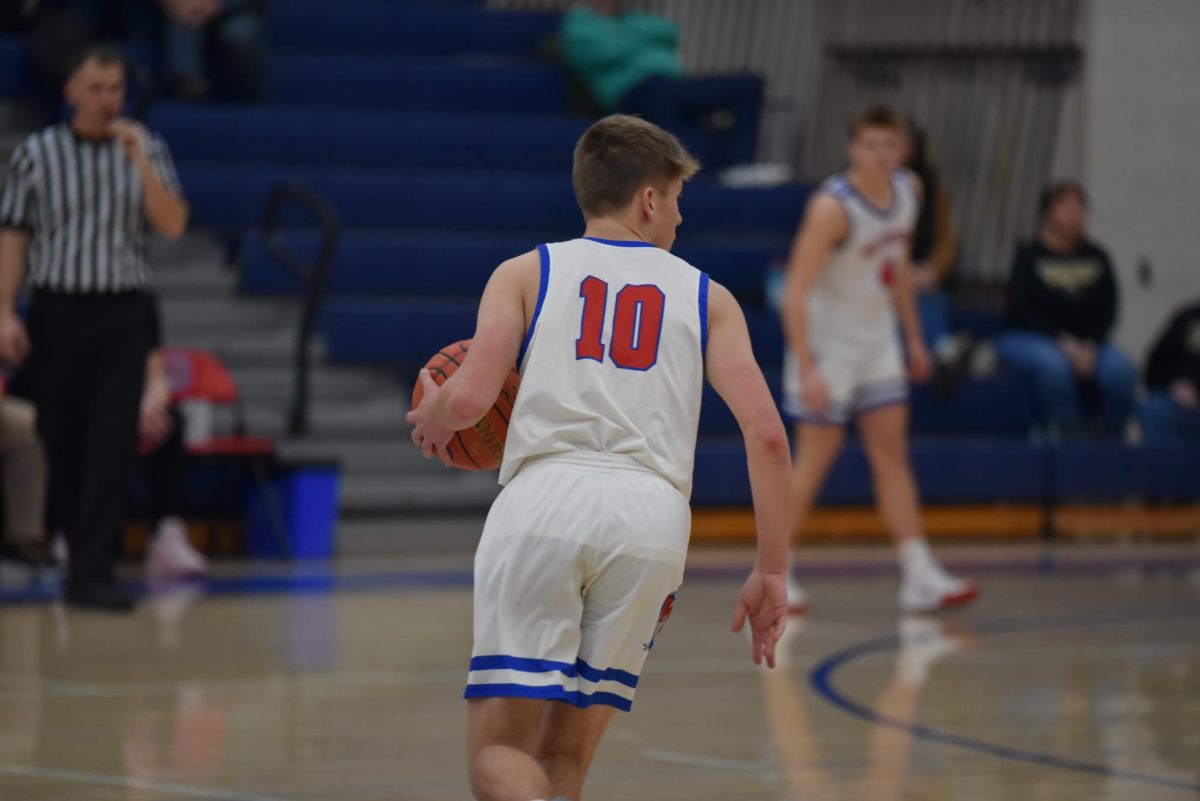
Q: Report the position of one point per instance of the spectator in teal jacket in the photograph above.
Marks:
(629, 62)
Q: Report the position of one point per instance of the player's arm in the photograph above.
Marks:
(824, 228)
(468, 394)
(737, 378)
(904, 297)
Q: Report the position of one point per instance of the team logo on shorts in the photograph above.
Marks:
(664, 612)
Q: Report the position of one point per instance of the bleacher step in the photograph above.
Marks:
(409, 534)
(448, 490)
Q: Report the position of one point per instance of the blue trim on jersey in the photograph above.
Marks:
(579, 669)
(621, 243)
(544, 257)
(875, 211)
(703, 314)
(551, 693)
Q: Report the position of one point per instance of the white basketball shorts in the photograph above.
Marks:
(862, 374)
(575, 577)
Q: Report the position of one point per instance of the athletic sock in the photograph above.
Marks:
(916, 560)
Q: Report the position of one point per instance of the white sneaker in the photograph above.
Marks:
(933, 591)
(172, 555)
(797, 597)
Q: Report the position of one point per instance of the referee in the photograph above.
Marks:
(74, 219)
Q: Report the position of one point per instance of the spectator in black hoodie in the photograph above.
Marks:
(1171, 412)
(1062, 303)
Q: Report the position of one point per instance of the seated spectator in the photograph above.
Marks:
(24, 467)
(231, 32)
(1062, 304)
(629, 62)
(1171, 412)
(160, 428)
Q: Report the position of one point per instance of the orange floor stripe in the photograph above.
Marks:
(997, 522)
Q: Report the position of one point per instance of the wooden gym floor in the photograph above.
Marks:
(1076, 676)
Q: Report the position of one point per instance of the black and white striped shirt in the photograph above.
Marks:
(83, 204)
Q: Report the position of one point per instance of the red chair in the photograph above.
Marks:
(198, 375)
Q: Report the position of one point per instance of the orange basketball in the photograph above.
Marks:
(480, 447)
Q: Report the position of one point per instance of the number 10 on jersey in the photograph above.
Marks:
(636, 326)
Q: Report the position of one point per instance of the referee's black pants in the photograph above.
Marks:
(89, 362)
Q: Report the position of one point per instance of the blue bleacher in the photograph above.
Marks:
(949, 471)
(15, 77)
(449, 264)
(425, 29)
(370, 139)
(233, 197)
(382, 82)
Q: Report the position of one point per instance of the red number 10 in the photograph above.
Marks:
(636, 328)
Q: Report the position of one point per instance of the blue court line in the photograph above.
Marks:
(822, 675)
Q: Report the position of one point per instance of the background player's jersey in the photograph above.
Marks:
(854, 290)
(614, 359)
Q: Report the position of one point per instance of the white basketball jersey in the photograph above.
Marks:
(854, 290)
(614, 359)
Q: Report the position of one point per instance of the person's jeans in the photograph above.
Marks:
(1165, 422)
(236, 37)
(1041, 359)
(681, 105)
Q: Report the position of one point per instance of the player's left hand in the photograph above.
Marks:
(764, 602)
(428, 434)
(920, 364)
(131, 134)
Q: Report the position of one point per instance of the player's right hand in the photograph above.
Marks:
(763, 602)
(428, 434)
(815, 392)
(14, 341)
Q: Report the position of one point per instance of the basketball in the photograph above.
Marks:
(482, 446)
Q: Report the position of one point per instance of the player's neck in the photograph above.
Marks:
(875, 188)
(613, 229)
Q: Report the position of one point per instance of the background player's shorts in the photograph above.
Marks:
(861, 376)
(574, 577)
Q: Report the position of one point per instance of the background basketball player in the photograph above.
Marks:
(848, 279)
(584, 549)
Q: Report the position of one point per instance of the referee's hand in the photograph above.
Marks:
(132, 136)
(14, 341)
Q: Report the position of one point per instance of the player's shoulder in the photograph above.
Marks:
(520, 266)
(827, 207)
(836, 188)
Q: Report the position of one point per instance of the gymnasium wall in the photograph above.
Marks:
(1141, 127)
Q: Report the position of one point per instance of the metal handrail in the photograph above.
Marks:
(313, 277)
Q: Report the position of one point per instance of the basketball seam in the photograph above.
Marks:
(467, 453)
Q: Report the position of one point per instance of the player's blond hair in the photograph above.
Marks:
(619, 155)
(876, 116)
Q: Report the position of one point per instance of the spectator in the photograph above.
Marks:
(24, 467)
(161, 432)
(74, 216)
(1062, 304)
(934, 250)
(629, 62)
(1171, 412)
(231, 31)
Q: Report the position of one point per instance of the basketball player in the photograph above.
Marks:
(584, 548)
(848, 279)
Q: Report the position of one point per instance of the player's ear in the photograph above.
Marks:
(647, 201)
